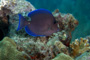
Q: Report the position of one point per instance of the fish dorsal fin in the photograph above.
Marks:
(38, 11)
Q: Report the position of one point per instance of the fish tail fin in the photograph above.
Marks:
(22, 22)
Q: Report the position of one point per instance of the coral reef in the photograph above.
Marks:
(48, 47)
(79, 47)
(57, 46)
(9, 10)
(17, 6)
(8, 14)
(37, 48)
(66, 23)
(8, 50)
(63, 56)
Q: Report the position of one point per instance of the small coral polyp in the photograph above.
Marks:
(79, 46)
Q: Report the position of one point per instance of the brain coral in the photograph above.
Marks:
(8, 50)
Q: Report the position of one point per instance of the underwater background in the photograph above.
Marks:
(79, 8)
(59, 31)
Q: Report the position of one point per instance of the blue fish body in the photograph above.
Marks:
(21, 24)
(30, 32)
(42, 23)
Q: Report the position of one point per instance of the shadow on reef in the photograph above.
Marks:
(1, 34)
(4, 22)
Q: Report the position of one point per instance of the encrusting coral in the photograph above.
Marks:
(8, 50)
(79, 47)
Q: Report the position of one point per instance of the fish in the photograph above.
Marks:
(41, 23)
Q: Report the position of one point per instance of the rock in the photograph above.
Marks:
(63, 56)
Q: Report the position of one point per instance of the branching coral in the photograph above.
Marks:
(79, 47)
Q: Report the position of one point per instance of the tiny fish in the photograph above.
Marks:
(42, 23)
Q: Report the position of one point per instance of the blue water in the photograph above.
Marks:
(79, 8)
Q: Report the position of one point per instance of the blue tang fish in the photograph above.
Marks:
(42, 23)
